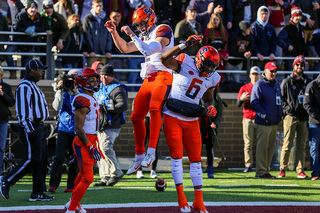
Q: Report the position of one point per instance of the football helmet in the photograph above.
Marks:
(207, 61)
(144, 15)
(83, 82)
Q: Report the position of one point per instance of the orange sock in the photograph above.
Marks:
(78, 193)
(198, 201)
(182, 200)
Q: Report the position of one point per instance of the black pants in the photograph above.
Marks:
(63, 149)
(35, 160)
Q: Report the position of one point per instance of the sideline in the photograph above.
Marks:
(167, 204)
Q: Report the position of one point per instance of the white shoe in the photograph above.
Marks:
(185, 209)
(136, 164)
(153, 174)
(79, 208)
(140, 174)
(148, 160)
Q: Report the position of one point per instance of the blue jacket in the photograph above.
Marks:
(265, 103)
(265, 39)
(66, 117)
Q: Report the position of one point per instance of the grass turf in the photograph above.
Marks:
(227, 186)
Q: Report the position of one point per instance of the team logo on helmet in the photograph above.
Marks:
(207, 60)
(82, 79)
(145, 16)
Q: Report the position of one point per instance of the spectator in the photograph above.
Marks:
(117, 63)
(136, 4)
(180, 115)
(73, 43)
(94, 30)
(187, 27)
(264, 36)
(266, 102)
(119, 5)
(163, 11)
(6, 101)
(311, 103)
(291, 38)
(209, 137)
(277, 8)
(204, 10)
(64, 7)
(295, 117)
(310, 9)
(86, 113)
(66, 90)
(3, 27)
(244, 10)
(14, 7)
(152, 42)
(30, 22)
(97, 66)
(314, 47)
(32, 110)
(241, 45)
(226, 12)
(248, 124)
(56, 26)
(217, 36)
(113, 101)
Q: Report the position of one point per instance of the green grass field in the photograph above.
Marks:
(228, 186)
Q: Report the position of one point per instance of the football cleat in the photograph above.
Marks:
(79, 208)
(136, 164)
(199, 206)
(148, 160)
(153, 174)
(185, 209)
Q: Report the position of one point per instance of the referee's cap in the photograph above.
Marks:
(34, 64)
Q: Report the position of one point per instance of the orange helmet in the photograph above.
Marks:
(207, 60)
(146, 15)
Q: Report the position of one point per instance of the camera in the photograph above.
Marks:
(68, 82)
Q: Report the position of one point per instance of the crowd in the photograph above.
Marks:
(91, 112)
(264, 28)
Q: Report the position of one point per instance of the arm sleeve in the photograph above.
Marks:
(58, 100)
(255, 102)
(120, 99)
(24, 108)
(147, 49)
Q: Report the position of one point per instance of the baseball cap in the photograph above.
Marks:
(34, 64)
(255, 69)
(243, 25)
(32, 4)
(107, 70)
(47, 4)
(190, 7)
(270, 66)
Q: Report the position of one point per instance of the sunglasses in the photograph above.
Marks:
(301, 65)
(273, 71)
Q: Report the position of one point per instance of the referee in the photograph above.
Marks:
(32, 110)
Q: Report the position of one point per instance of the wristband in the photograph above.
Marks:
(182, 46)
(89, 144)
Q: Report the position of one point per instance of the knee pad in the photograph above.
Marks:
(196, 173)
(177, 170)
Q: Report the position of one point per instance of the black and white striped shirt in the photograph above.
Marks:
(31, 105)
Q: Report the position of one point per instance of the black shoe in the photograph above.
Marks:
(5, 188)
(112, 181)
(247, 169)
(100, 184)
(40, 197)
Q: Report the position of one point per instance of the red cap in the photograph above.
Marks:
(295, 11)
(270, 66)
(299, 59)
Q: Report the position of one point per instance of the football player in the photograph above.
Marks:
(152, 41)
(192, 80)
(87, 114)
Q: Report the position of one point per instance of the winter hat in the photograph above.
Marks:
(107, 70)
(299, 59)
(31, 4)
(295, 11)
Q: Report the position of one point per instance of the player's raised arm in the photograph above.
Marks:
(167, 57)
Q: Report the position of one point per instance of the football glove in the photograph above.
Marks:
(193, 39)
(211, 111)
(94, 152)
(72, 159)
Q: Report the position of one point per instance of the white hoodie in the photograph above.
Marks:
(259, 16)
